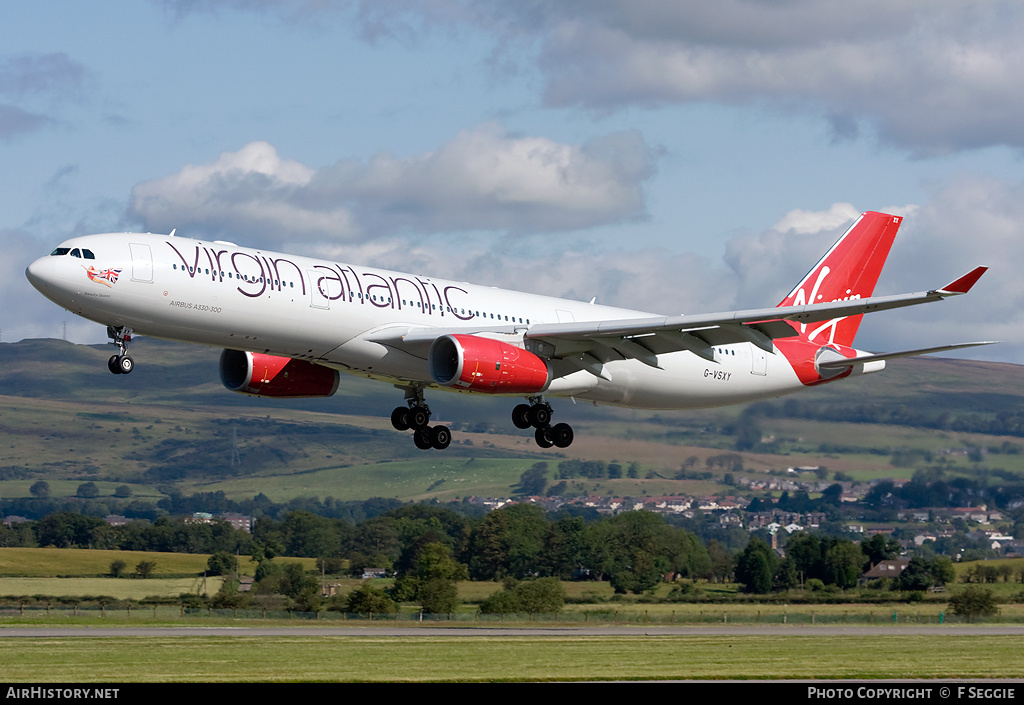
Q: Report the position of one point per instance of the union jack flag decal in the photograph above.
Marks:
(107, 277)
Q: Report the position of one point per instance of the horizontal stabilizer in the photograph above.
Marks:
(850, 361)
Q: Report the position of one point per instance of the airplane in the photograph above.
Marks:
(290, 325)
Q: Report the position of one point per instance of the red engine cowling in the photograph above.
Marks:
(484, 365)
(273, 376)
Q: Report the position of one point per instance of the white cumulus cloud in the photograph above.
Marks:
(482, 179)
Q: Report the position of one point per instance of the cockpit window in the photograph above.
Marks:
(80, 253)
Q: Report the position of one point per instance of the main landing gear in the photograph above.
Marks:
(416, 416)
(538, 415)
(122, 363)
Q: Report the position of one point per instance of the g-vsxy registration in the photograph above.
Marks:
(289, 325)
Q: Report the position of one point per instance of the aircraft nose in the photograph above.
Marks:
(40, 273)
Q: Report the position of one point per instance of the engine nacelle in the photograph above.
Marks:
(273, 376)
(484, 365)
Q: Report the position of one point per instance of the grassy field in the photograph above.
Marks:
(436, 658)
(81, 562)
(949, 652)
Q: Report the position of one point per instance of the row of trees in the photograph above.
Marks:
(634, 551)
(818, 561)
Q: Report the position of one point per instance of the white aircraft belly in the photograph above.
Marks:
(686, 381)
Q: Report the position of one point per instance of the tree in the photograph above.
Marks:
(87, 490)
(540, 596)
(117, 567)
(916, 576)
(722, 563)
(942, 570)
(221, 563)
(144, 569)
(972, 602)
(40, 489)
(507, 541)
(67, 530)
(438, 596)
(370, 600)
(804, 550)
(755, 567)
(844, 561)
(534, 480)
(432, 580)
(632, 548)
(880, 548)
(297, 584)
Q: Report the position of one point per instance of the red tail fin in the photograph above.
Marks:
(849, 270)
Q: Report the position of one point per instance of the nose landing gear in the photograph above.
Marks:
(121, 363)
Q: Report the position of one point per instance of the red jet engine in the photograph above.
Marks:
(273, 376)
(484, 365)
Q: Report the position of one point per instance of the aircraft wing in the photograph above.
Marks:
(589, 344)
(644, 339)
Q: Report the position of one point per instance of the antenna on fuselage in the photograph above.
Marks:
(172, 232)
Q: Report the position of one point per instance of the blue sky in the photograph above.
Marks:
(666, 156)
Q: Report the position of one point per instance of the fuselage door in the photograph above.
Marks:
(758, 361)
(142, 262)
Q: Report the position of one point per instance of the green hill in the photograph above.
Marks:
(171, 426)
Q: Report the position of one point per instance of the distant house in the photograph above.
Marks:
(884, 569)
(239, 521)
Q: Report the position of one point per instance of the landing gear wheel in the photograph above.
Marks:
(440, 437)
(418, 418)
(561, 435)
(540, 415)
(126, 364)
(113, 365)
(542, 437)
(422, 439)
(521, 416)
(400, 418)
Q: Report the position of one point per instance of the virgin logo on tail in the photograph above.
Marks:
(848, 271)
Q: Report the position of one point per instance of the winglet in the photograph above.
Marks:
(964, 283)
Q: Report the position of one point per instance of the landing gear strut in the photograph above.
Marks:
(538, 415)
(122, 363)
(416, 416)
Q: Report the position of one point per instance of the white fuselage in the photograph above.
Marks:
(223, 295)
